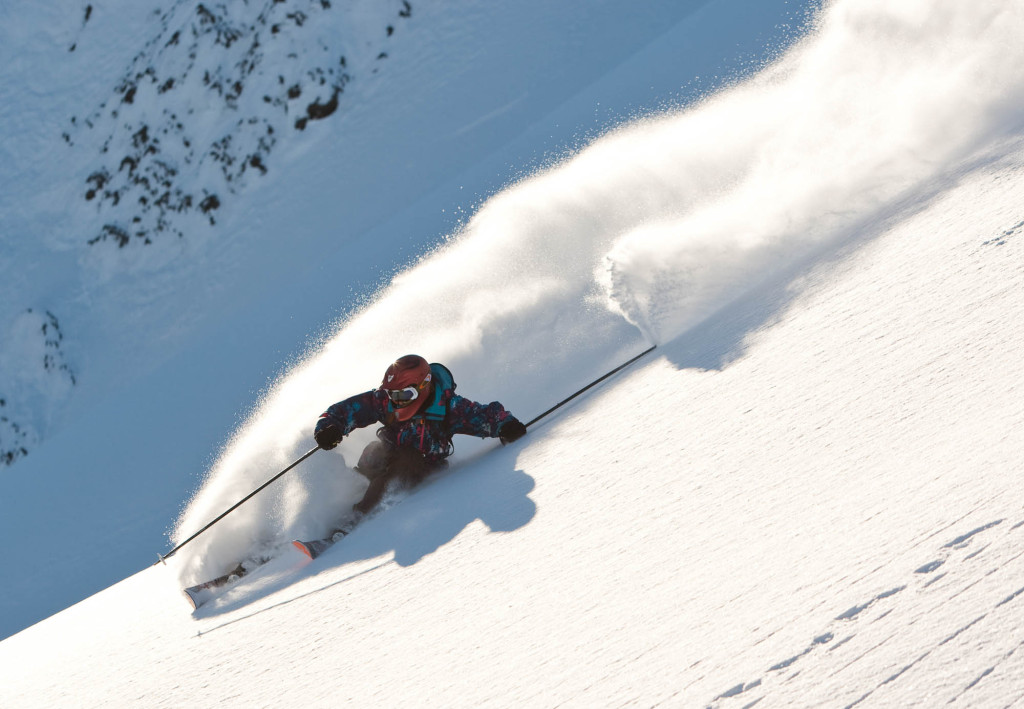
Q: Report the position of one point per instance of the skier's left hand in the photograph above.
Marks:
(511, 430)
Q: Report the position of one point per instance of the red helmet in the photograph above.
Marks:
(407, 384)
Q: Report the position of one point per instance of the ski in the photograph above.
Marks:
(316, 547)
(200, 593)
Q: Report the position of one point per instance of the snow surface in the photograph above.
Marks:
(807, 495)
(173, 344)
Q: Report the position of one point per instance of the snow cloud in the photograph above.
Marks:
(655, 226)
(894, 94)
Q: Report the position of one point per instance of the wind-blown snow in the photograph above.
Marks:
(832, 519)
(880, 101)
(664, 222)
(167, 360)
(808, 495)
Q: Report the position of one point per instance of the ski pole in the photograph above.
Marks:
(592, 384)
(163, 558)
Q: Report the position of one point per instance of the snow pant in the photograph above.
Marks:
(381, 463)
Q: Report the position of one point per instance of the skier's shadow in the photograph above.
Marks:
(437, 511)
(423, 520)
(417, 523)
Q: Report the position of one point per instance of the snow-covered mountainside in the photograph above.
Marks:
(639, 238)
(832, 518)
(163, 347)
(806, 495)
(180, 130)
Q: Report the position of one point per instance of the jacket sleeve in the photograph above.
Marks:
(354, 412)
(473, 419)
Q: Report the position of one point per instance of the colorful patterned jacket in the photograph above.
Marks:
(430, 431)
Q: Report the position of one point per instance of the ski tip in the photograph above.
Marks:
(192, 600)
(301, 546)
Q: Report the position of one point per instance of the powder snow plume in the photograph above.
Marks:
(880, 99)
(655, 226)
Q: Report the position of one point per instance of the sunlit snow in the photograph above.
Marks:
(806, 495)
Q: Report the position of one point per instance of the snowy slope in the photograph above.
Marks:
(808, 495)
(831, 520)
(639, 238)
(173, 344)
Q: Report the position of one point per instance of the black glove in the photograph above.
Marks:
(511, 430)
(328, 436)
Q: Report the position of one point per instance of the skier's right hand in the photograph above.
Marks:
(327, 435)
(511, 430)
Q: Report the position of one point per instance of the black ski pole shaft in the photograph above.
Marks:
(592, 384)
(235, 506)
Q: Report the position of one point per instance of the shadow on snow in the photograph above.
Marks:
(416, 523)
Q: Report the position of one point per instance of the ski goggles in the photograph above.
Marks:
(404, 397)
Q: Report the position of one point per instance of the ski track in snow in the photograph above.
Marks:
(922, 631)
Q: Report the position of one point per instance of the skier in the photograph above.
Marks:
(421, 412)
